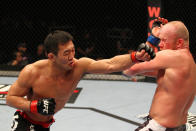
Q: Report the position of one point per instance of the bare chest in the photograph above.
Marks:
(173, 81)
(60, 88)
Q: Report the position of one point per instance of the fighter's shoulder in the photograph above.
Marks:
(34, 68)
(85, 61)
(165, 52)
(168, 54)
(173, 58)
(40, 63)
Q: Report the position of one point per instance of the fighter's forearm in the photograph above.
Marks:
(121, 62)
(18, 102)
(131, 72)
(150, 74)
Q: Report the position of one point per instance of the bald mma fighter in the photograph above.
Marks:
(175, 70)
(48, 84)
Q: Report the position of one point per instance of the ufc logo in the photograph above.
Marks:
(46, 104)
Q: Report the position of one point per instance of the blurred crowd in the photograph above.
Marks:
(22, 40)
(21, 56)
(87, 45)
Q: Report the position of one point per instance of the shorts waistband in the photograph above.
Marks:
(181, 127)
(43, 124)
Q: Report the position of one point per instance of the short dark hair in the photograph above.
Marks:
(54, 39)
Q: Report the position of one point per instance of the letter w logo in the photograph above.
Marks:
(153, 11)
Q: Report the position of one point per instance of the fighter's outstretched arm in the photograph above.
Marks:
(115, 64)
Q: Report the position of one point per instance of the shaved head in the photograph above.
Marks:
(179, 29)
(174, 35)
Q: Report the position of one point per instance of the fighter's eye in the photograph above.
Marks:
(66, 53)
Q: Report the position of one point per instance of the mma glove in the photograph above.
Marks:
(152, 39)
(147, 49)
(43, 106)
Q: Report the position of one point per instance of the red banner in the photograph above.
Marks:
(154, 11)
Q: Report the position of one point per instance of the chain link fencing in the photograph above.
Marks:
(101, 29)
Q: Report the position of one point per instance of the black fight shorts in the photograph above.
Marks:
(21, 122)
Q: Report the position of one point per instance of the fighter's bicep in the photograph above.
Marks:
(93, 66)
(23, 84)
(17, 90)
(141, 68)
(162, 61)
(159, 62)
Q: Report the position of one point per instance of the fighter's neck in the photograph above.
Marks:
(55, 71)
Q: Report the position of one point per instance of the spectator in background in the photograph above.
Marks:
(120, 49)
(22, 48)
(86, 47)
(39, 55)
(18, 59)
(122, 43)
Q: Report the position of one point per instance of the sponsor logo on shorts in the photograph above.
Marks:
(191, 121)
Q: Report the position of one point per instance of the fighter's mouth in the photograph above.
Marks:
(71, 63)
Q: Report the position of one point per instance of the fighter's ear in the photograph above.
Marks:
(51, 56)
(180, 43)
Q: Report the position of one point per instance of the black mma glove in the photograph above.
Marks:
(156, 23)
(152, 39)
(43, 106)
(147, 49)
